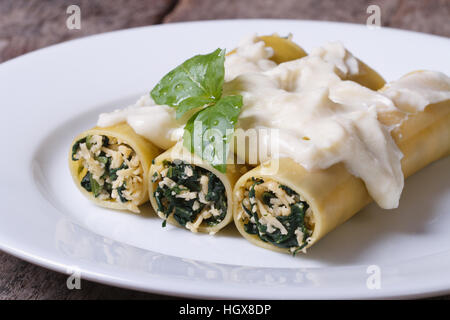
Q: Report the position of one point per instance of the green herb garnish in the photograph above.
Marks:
(209, 131)
(197, 84)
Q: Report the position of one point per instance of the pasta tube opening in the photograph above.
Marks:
(192, 195)
(109, 169)
(275, 213)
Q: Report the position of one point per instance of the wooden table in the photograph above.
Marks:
(27, 25)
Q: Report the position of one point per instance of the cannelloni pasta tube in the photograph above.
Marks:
(284, 50)
(186, 191)
(110, 166)
(291, 209)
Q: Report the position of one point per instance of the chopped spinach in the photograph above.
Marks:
(76, 146)
(288, 190)
(105, 141)
(108, 187)
(217, 195)
(182, 209)
(103, 159)
(86, 182)
(184, 215)
(89, 142)
(112, 173)
(95, 186)
(120, 191)
(295, 220)
(267, 195)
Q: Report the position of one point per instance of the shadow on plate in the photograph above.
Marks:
(416, 213)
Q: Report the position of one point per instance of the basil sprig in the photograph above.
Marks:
(197, 84)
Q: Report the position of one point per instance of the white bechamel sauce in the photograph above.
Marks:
(157, 123)
(414, 91)
(320, 118)
(335, 132)
(250, 56)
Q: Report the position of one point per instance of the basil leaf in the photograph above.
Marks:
(209, 131)
(196, 82)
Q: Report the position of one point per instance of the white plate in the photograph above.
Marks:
(50, 95)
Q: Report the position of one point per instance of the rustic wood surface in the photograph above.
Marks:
(27, 25)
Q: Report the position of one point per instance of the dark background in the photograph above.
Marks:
(27, 25)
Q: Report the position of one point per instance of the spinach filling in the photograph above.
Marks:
(186, 179)
(75, 148)
(110, 174)
(292, 222)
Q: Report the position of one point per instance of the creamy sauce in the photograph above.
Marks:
(154, 122)
(317, 132)
(414, 91)
(250, 56)
(320, 118)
